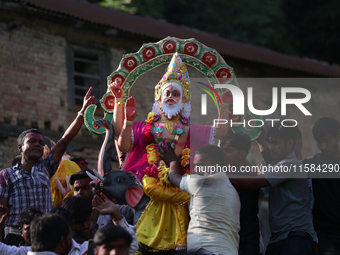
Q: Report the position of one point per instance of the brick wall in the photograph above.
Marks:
(34, 75)
(33, 81)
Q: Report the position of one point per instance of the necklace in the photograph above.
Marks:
(169, 124)
(155, 129)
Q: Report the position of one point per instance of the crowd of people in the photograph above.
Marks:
(184, 210)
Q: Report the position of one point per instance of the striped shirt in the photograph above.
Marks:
(24, 190)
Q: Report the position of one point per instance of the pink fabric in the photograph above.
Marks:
(137, 161)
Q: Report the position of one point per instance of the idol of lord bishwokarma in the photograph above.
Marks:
(164, 222)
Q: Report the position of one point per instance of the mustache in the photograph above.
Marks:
(166, 99)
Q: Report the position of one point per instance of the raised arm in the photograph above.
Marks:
(118, 115)
(106, 207)
(124, 140)
(60, 148)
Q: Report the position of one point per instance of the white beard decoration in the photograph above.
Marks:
(186, 110)
(156, 109)
(171, 110)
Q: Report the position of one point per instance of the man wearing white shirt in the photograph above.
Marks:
(214, 205)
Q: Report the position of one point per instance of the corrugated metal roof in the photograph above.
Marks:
(159, 29)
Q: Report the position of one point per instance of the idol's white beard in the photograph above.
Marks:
(172, 110)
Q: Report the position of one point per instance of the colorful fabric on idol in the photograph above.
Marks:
(164, 222)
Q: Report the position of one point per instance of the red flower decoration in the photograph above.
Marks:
(147, 133)
(184, 170)
(151, 171)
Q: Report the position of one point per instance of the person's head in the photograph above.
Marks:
(327, 136)
(235, 148)
(31, 144)
(24, 221)
(80, 182)
(81, 162)
(112, 240)
(282, 139)
(16, 160)
(209, 155)
(81, 209)
(67, 215)
(50, 232)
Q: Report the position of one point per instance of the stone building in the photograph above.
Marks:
(52, 51)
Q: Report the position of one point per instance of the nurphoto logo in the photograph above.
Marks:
(238, 105)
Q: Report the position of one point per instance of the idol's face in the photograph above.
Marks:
(171, 95)
(171, 101)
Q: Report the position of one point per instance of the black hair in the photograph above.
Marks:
(16, 160)
(110, 233)
(240, 141)
(79, 175)
(46, 232)
(27, 215)
(325, 126)
(284, 132)
(213, 152)
(79, 206)
(21, 137)
(79, 159)
(65, 213)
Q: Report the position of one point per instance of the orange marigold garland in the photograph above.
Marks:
(152, 129)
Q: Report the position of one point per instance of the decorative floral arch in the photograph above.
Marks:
(152, 55)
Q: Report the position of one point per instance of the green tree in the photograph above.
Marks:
(306, 28)
(315, 26)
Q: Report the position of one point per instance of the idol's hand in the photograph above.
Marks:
(116, 90)
(130, 109)
(227, 97)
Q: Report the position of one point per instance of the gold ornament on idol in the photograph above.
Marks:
(176, 72)
(169, 124)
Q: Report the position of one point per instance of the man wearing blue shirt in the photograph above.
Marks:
(27, 184)
(290, 216)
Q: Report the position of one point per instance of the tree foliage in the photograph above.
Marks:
(304, 28)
